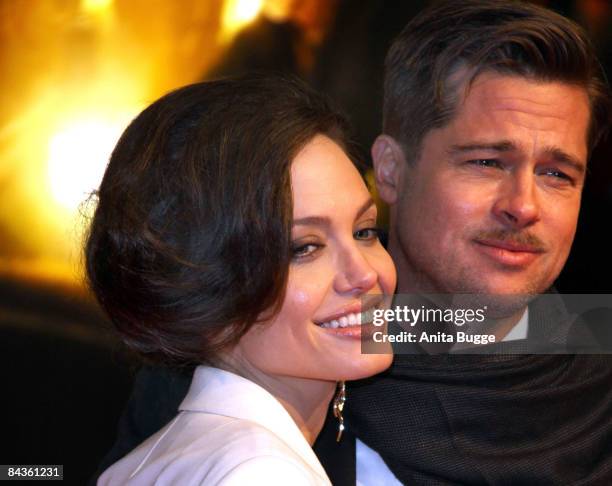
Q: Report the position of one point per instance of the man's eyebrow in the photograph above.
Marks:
(501, 146)
(557, 154)
(324, 220)
(562, 157)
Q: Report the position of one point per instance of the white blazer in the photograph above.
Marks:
(229, 431)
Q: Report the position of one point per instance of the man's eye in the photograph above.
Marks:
(305, 250)
(485, 162)
(367, 234)
(557, 174)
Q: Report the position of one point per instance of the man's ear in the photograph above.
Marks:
(389, 162)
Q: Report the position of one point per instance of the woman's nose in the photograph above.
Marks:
(355, 274)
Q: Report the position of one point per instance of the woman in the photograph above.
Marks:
(233, 233)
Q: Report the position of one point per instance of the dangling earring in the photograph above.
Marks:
(338, 406)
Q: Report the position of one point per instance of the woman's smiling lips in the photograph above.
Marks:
(351, 321)
(509, 253)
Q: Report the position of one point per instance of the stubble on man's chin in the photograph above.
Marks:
(466, 289)
(426, 274)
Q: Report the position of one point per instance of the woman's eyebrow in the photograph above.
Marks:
(324, 220)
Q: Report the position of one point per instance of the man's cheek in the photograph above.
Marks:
(562, 225)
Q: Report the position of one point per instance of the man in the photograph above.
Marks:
(491, 109)
(484, 153)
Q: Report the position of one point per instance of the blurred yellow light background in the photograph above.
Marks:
(94, 5)
(75, 72)
(236, 14)
(78, 155)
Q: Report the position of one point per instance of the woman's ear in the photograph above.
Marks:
(389, 162)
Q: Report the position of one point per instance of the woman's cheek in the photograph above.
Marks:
(301, 297)
(385, 269)
(306, 288)
(299, 304)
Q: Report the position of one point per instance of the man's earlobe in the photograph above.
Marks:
(388, 159)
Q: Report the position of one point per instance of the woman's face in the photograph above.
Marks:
(338, 269)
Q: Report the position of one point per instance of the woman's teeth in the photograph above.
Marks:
(352, 319)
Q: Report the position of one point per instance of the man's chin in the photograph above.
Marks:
(502, 297)
(503, 294)
(498, 305)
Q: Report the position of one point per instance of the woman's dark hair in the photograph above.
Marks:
(190, 240)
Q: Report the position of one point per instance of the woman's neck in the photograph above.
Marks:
(306, 400)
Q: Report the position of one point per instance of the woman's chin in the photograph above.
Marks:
(367, 365)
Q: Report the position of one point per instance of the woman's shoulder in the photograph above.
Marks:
(271, 471)
(201, 448)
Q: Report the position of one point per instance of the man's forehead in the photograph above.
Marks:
(493, 106)
(510, 91)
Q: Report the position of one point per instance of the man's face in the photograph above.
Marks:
(492, 202)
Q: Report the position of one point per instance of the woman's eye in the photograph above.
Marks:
(367, 234)
(304, 250)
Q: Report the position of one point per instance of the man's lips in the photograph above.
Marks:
(509, 253)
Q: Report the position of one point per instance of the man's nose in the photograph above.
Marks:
(355, 274)
(517, 205)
